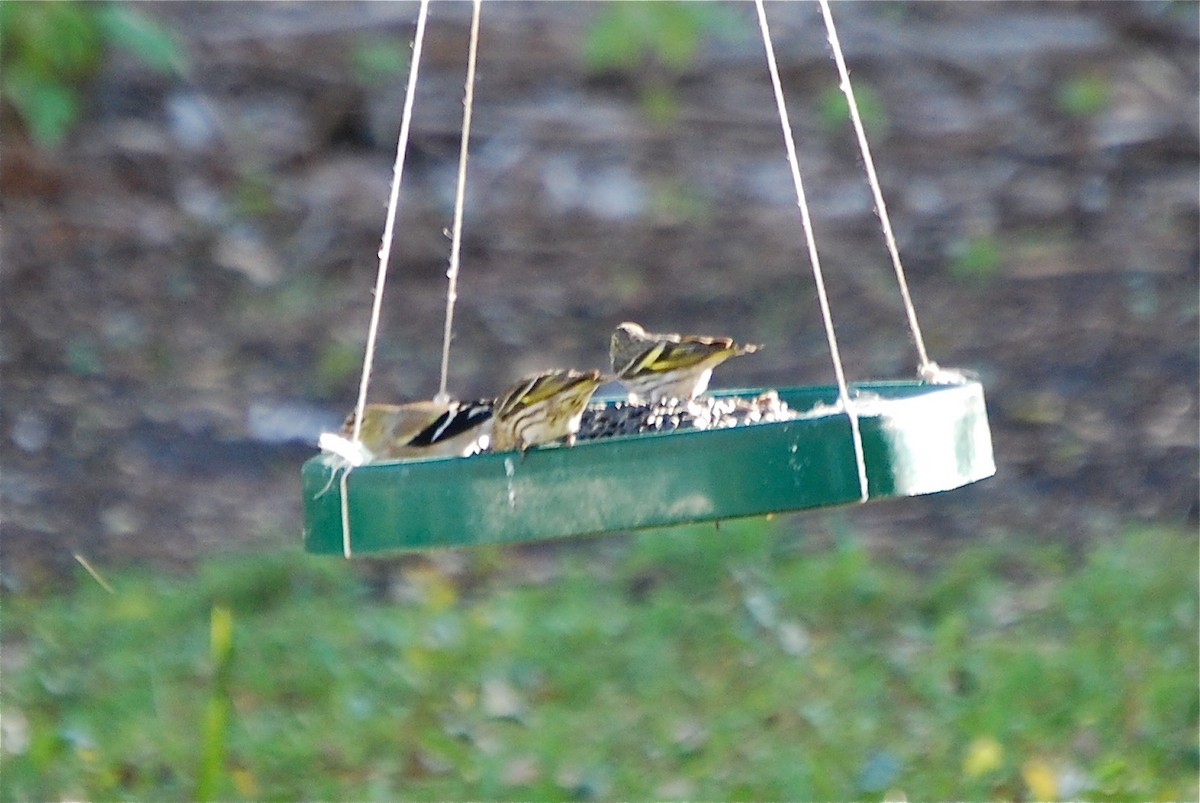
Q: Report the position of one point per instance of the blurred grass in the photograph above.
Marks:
(701, 664)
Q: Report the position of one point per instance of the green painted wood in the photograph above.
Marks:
(917, 439)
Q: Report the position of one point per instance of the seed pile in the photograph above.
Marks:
(667, 415)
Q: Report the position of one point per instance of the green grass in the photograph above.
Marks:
(702, 664)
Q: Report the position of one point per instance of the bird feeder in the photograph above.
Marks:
(845, 443)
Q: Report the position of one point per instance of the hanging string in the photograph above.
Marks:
(385, 251)
(810, 238)
(924, 366)
(385, 246)
(460, 193)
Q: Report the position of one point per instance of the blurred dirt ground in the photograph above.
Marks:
(186, 283)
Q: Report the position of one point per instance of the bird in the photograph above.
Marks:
(421, 429)
(542, 407)
(665, 366)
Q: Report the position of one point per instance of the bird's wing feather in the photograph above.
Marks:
(455, 421)
(687, 353)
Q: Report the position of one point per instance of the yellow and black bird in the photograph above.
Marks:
(422, 429)
(668, 366)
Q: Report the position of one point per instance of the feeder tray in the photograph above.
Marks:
(917, 438)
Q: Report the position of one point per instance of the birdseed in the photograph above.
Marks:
(669, 415)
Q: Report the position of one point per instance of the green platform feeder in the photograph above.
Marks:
(917, 438)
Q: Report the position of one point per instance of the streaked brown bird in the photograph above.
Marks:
(542, 407)
(668, 366)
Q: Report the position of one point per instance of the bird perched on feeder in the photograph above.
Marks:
(542, 407)
(666, 366)
(416, 429)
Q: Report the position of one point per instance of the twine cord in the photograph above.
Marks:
(814, 258)
(460, 193)
(924, 366)
(385, 251)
